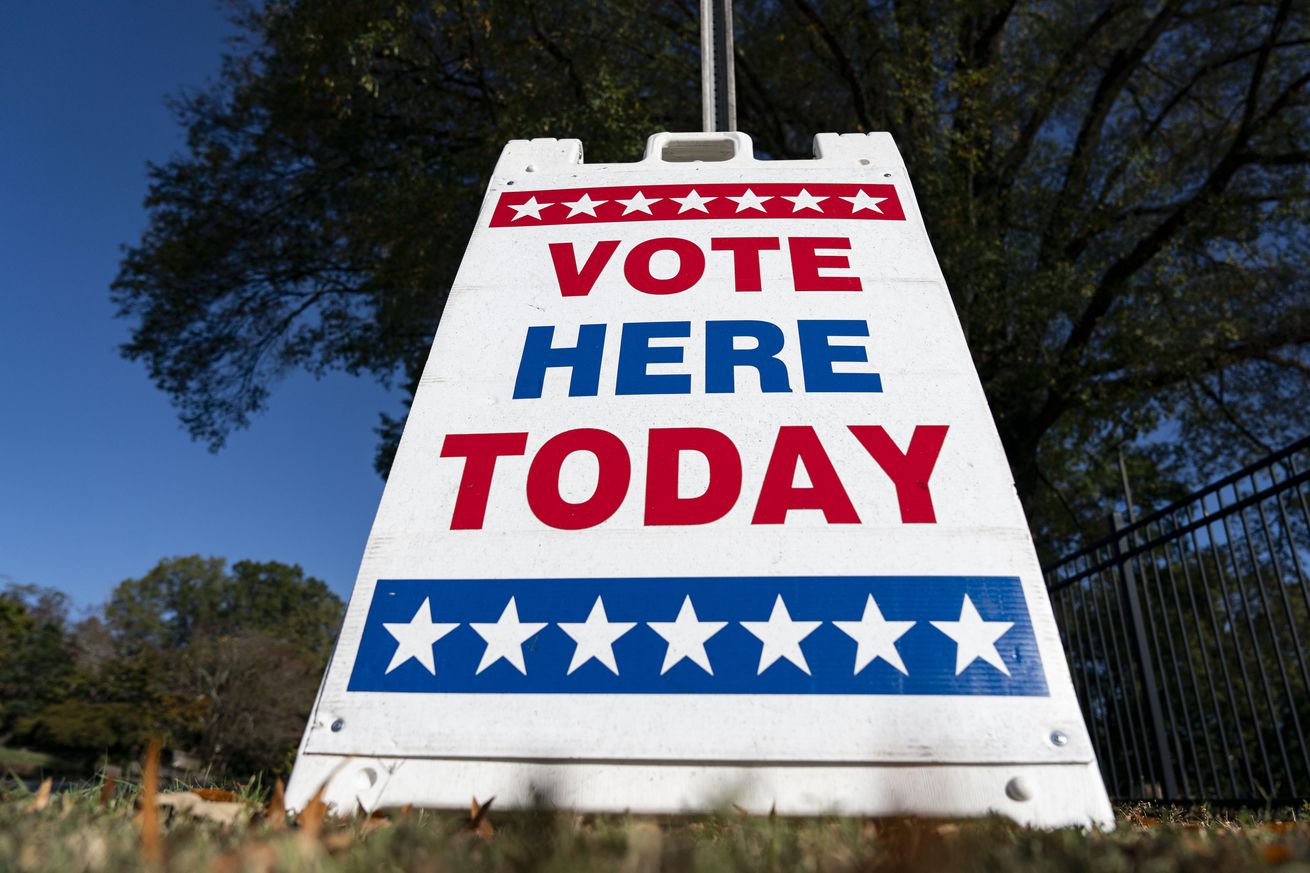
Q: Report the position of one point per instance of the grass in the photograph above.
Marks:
(99, 829)
(22, 758)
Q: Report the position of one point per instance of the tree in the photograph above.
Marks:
(185, 598)
(1117, 192)
(224, 663)
(35, 656)
(234, 657)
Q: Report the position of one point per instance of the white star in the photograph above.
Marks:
(638, 203)
(805, 200)
(505, 638)
(692, 201)
(584, 204)
(415, 638)
(864, 201)
(686, 637)
(876, 637)
(530, 208)
(975, 638)
(749, 200)
(781, 637)
(595, 638)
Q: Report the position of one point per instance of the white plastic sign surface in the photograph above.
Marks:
(700, 500)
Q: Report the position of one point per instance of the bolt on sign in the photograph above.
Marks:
(700, 501)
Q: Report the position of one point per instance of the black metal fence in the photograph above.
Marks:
(1186, 633)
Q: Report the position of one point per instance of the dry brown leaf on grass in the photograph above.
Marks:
(338, 841)
(1278, 853)
(375, 820)
(152, 847)
(479, 823)
(192, 804)
(216, 795)
(107, 788)
(276, 814)
(311, 817)
(1280, 827)
(41, 799)
(309, 822)
(1144, 821)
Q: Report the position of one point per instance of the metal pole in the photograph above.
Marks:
(1145, 663)
(717, 71)
(1128, 491)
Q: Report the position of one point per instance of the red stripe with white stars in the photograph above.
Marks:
(719, 202)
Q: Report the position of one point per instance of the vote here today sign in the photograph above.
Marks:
(700, 499)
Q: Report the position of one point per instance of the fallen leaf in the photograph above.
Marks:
(1280, 827)
(277, 807)
(42, 797)
(192, 804)
(338, 842)
(152, 848)
(479, 824)
(228, 862)
(375, 822)
(1278, 853)
(311, 817)
(107, 788)
(217, 795)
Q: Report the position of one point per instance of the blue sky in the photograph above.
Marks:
(97, 479)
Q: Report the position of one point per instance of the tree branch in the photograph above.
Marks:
(1107, 289)
(845, 68)
(1119, 70)
(1052, 94)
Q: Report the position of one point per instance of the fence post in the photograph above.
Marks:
(1137, 629)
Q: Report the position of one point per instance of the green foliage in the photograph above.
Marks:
(22, 758)
(223, 663)
(185, 599)
(1117, 192)
(35, 659)
(74, 725)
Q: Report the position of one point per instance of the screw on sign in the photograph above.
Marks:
(700, 498)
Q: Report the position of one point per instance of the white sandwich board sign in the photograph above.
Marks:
(700, 500)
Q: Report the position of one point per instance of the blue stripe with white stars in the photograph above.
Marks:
(941, 635)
